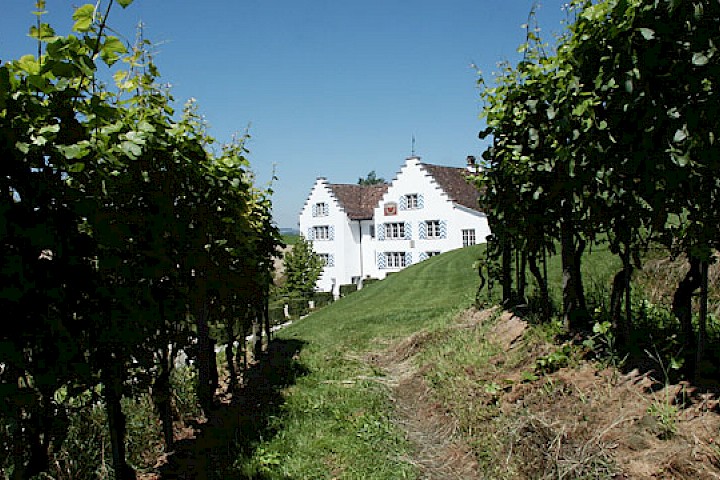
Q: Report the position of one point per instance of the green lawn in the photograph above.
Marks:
(336, 419)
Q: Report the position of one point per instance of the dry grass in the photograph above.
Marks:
(659, 277)
(579, 422)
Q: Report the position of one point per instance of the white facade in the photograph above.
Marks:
(323, 222)
(417, 219)
(425, 211)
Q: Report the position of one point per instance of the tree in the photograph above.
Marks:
(302, 267)
(371, 179)
(126, 237)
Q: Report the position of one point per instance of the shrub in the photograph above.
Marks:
(277, 315)
(322, 298)
(298, 306)
(183, 382)
(347, 289)
(370, 281)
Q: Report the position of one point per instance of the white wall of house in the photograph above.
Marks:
(339, 247)
(313, 219)
(431, 222)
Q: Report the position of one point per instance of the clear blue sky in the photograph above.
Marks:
(330, 88)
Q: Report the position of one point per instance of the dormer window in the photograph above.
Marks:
(320, 210)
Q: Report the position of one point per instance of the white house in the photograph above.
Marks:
(370, 231)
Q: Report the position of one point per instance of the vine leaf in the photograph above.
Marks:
(112, 50)
(84, 17)
(647, 33)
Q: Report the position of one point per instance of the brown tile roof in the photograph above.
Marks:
(358, 201)
(452, 181)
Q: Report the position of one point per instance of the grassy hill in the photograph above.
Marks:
(403, 380)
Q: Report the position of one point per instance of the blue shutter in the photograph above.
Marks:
(422, 256)
(443, 229)
(422, 230)
(314, 210)
(403, 202)
(380, 232)
(408, 258)
(408, 230)
(331, 260)
(381, 261)
(421, 201)
(310, 235)
(331, 232)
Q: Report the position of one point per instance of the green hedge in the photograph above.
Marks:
(322, 299)
(347, 289)
(370, 281)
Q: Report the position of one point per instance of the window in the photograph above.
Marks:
(411, 201)
(372, 231)
(321, 233)
(394, 231)
(433, 229)
(320, 210)
(327, 259)
(468, 237)
(395, 259)
(432, 254)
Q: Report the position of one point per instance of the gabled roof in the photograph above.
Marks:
(358, 201)
(452, 181)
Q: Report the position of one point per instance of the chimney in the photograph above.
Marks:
(472, 166)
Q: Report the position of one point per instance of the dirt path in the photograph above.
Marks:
(440, 452)
(209, 449)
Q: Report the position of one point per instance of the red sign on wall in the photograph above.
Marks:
(390, 209)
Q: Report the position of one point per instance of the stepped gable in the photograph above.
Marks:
(452, 181)
(358, 201)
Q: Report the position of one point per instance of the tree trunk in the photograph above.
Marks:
(232, 372)
(702, 320)
(204, 387)
(256, 337)
(266, 316)
(521, 267)
(112, 389)
(39, 430)
(616, 299)
(506, 271)
(240, 354)
(575, 314)
(162, 397)
(682, 308)
(542, 286)
(18, 445)
(621, 290)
